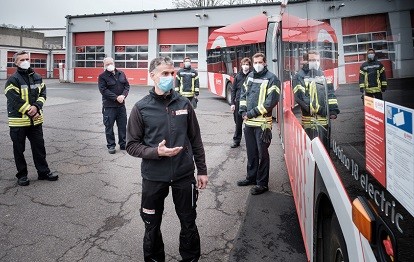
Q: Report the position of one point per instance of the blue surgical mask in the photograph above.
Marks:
(166, 83)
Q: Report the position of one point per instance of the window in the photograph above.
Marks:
(133, 56)
(57, 62)
(38, 63)
(89, 56)
(178, 52)
(356, 46)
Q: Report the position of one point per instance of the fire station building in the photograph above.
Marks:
(133, 39)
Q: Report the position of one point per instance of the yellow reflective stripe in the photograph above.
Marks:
(384, 83)
(187, 93)
(197, 89)
(262, 109)
(299, 87)
(41, 99)
(313, 92)
(374, 89)
(176, 89)
(258, 121)
(382, 70)
(196, 77)
(10, 87)
(332, 101)
(243, 103)
(366, 79)
(361, 72)
(378, 78)
(361, 85)
(273, 88)
(24, 108)
(192, 84)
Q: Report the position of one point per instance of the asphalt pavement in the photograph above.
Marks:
(92, 212)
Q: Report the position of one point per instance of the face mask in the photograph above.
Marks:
(25, 65)
(245, 68)
(187, 64)
(110, 68)
(371, 56)
(258, 67)
(166, 83)
(314, 65)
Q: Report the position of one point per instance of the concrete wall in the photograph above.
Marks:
(21, 37)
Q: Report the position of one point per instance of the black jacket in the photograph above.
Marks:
(171, 117)
(24, 89)
(237, 86)
(372, 77)
(259, 95)
(111, 86)
(187, 82)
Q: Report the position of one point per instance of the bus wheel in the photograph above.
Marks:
(334, 242)
(228, 93)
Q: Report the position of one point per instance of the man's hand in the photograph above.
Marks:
(202, 181)
(120, 99)
(232, 108)
(245, 117)
(165, 151)
(333, 116)
(32, 111)
(36, 116)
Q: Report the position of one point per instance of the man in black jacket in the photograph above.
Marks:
(239, 79)
(163, 130)
(187, 82)
(26, 94)
(114, 87)
(372, 79)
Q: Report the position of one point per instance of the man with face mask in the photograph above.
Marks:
(311, 97)
(239, 79)
(114, 87)
(163, 130)
(259, 95)
(26, 95)
(187, 82)
(372, 79)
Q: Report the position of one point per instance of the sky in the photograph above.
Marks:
(51, 13)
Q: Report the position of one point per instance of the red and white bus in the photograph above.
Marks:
(355, 197)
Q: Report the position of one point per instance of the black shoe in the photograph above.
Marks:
(111, 150)
(23, 181)
(245, 182)
(49, 177)
(257, 190)
(235, 144)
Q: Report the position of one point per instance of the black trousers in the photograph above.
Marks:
(258, 161)
(35, 135)
(184, 193)
(110, 116)
(238, 120)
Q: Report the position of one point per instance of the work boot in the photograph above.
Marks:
(49, 177)
(111, 150)
(235, 144)
(257, 190)
(23, 181)
(245, 182)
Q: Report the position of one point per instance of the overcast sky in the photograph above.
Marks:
(51, 13)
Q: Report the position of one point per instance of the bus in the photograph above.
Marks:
(354, 197)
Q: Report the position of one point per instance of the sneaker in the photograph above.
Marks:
(245, 182)
(111, 150)
(257, 190)
(23, 181)
(48, 177)
(235, 144)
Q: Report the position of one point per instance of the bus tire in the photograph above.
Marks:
(228, 93)
(334, 242)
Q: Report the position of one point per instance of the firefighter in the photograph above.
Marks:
(187, 83)
(310, 94)
(372, 78)
(259, 95)
(26, 94)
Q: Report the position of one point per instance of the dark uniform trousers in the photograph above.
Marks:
(238, 120)
(110, 115)
(374, 95)
(35, 135)
(184, 193)
(258, 161)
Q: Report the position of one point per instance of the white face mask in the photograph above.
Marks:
(187, 64)
(25, 65)
(314, 65)
(258, 67)
(110, 68)
(245, 68)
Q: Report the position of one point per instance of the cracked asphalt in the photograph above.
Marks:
(92, 212)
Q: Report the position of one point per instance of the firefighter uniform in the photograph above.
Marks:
(259, 95)
(312, 96)
(187, 84)
(372, 78)
(23, 89)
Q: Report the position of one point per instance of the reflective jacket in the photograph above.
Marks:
(311, 95)
(187, 83)
(372, 77)
(259, 95)
(111, 85)
(158, 117)
(237, 86)
(24, 89)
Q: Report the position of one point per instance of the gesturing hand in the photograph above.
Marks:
(165, 151)
(120, 99)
